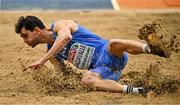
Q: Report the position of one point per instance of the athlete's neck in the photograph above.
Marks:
(47, 36)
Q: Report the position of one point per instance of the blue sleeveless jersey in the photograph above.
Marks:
(83, 50)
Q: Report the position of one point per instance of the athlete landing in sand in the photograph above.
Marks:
(67, 40)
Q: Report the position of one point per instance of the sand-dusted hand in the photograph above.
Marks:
(37, 64)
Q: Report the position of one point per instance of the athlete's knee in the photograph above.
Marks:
(90, 79)
(87, 80)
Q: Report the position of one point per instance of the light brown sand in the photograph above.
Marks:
(40, 88)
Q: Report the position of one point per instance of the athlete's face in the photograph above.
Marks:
(30, 37)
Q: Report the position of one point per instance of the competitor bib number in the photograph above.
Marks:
(80, 55)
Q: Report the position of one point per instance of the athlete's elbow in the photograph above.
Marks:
(68, 38)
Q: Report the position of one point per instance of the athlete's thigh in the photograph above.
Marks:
(107, 73)
(90, 73)
(116, 47)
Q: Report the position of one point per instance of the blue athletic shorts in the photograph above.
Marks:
(108, 66)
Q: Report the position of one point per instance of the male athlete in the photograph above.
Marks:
(67, 40)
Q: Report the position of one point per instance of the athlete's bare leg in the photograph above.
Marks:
(118, 46)
(94, 80)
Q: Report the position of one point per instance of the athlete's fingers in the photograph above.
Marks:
(33, 66)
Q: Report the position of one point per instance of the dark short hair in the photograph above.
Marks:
(29, 23)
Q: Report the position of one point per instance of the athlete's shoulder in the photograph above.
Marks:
(60, 24)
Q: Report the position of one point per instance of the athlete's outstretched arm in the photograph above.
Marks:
(63, 28)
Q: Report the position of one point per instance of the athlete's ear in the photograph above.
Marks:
(37, 29)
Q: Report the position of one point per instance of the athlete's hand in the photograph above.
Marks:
(37, 64)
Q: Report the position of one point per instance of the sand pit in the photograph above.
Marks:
(42, 86)
(46, 82)
(152, 79)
